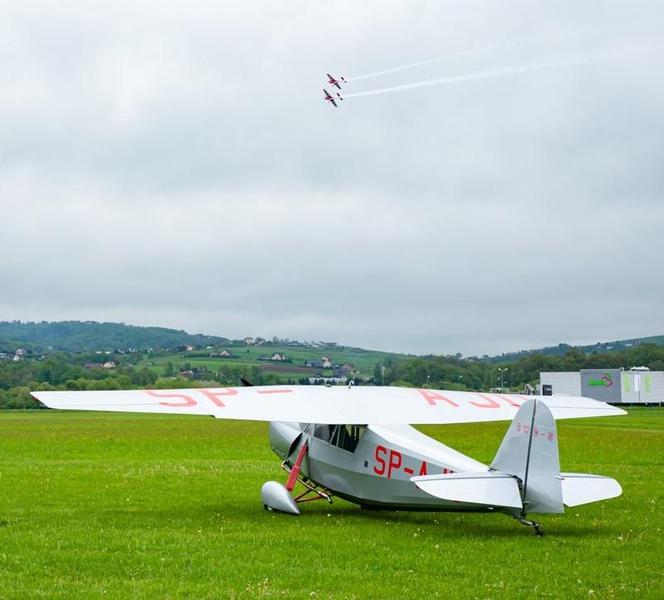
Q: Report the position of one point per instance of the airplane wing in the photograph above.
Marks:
(320, 404)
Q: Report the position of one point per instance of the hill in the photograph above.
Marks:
(89, 336)
(562, 349)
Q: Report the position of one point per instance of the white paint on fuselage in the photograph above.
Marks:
(416, 442)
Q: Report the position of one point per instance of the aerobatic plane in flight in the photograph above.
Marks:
(334, 81)
(357, 443)
(329, 98)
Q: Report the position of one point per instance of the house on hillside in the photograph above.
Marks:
(276, 357)
(109, 364)
(248, 341)
(323, 363)
(222, 354)
(195, 373)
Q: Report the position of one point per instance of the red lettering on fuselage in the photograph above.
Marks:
(389, 462)
(380, 450)
(395, 462)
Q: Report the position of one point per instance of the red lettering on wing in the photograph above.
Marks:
(491, 403)
(381, 461)
(423, 469)
(408, 470)
(432, 397)
(213, 395)
(395, 462)
(186, 400)
(508, 400)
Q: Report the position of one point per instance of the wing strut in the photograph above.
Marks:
(297, 465)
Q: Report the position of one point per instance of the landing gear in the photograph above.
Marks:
(534, 524)
(276, 496)
(313, 491)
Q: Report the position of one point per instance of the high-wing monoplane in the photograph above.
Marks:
(358, 443)
(334, 81)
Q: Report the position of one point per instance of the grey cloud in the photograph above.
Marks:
(176, 165)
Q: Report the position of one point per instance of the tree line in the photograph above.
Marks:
(454, 372)
(64, 371)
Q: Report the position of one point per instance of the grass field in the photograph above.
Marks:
(126, 506)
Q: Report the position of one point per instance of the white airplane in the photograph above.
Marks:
(357, 443)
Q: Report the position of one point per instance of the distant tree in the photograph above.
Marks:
(378, 374)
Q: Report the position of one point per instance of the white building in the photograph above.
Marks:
(636, 386)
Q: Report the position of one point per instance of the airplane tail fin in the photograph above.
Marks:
(529, 452)
(525, 476)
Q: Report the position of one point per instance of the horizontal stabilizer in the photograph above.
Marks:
(487, 488)
(581, 488)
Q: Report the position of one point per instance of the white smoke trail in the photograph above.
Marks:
(434, 59)
(491, 74)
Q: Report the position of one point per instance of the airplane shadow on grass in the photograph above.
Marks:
(446, 524)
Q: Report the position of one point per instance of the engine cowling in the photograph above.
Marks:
(284, 438)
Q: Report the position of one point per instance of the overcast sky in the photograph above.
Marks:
(174, 164)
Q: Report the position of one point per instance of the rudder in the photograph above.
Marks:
(529, 451)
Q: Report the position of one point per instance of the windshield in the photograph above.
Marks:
(345, 437)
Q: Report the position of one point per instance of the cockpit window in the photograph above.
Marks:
(323, 432)
(346, 437)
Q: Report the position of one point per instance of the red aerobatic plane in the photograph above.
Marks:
(329, 98)
(334, 81)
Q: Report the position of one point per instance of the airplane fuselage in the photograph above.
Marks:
(372, 465)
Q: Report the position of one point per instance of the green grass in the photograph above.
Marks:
(133, 506)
